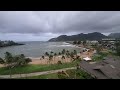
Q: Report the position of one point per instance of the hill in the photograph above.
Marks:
(89, 36)
(114, 35)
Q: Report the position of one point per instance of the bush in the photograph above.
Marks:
(59, 62)
(62, 75)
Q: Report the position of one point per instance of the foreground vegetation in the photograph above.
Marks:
(36, 68)
(72, 74)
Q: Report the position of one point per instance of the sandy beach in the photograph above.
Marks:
(40, 61)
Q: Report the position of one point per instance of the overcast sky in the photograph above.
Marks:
(43, 25)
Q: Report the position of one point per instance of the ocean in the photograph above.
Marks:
(37, 48)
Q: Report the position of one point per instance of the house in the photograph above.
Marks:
(106, 69)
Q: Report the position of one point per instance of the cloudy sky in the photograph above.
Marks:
(43, 25)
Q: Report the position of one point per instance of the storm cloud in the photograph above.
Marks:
(43, 25)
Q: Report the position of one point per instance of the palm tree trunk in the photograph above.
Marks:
(75, 74)
(10, 72)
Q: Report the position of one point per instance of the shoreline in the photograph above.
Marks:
(39, 60)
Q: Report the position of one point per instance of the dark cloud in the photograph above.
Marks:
(47, 24)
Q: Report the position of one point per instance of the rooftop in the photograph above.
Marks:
(106, 69)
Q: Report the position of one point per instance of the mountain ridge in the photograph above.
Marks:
(81, 36)
(114, 35)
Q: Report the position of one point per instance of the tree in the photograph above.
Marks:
(63, 51)
(117, 45)
(59, 62)
(63, 57)
(43, 57)
(55, 54)
(59, 53)
(50, 57)
(46, 54)
(51, 52)
(0, 43)
(8, 59)
(72, 55)
(11, 62)
(74, 42)
(27, 60)
(98, 48)
(1, 61)
(67, 51)
(100, 42)
(75, 52)
(84, 42)
(79, 42)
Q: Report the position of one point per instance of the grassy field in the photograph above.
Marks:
(36, 68)
(100, 56)
(48, 76)
(73, 74)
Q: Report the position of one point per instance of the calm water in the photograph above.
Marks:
(37, 49)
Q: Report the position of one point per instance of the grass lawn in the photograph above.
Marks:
(48, 76)
(80, 74)
(100, 56)
(36, 68)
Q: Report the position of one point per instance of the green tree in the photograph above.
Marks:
(51, 52)
(74, 42)
(59, 53)
(46, 54)
(43, 57)
(63, 51)
(0, 43)
(63, 57)
(117, 45)
(1, 61)
(84, 42)
(50, 58)
(79, 42)
(55, 54)
(72, 55)
(75, 52)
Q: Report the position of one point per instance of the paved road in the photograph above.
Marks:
(36, 73)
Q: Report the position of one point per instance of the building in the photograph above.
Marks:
(110, 39)
(106, 69)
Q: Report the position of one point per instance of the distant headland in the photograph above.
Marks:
(9, 43)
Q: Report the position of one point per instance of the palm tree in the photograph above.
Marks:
(63, 57)
(75, 42)
(72, 55)
(43, 57)
(27, 60)
(59, 53)
(50, 58)
(8, 58)
(1, 61)
(75, 52)
(79, 42)
(8, 61)
(67, 54)
(63, 51)
(55, 54)
(46, 54)
(51, 52)
(84, 42)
